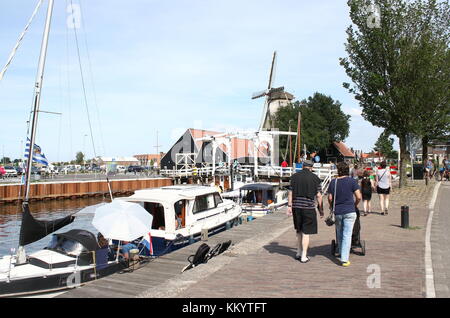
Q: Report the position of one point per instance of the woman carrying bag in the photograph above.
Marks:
(384, 183)
(344, 196)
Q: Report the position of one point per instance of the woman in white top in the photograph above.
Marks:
(384, 182)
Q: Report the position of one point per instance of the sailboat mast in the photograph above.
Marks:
(37, 97)
(21, 256)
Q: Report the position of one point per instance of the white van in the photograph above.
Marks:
(121, 169)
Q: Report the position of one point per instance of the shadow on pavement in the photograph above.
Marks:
(323, 250)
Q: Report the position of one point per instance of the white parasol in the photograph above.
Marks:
(122, 220)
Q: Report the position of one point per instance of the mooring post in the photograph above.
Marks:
(405, 216)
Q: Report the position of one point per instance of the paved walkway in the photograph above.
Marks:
(392, 267)
(262, 264)
(440, 242)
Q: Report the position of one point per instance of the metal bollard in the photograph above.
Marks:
(405, 216)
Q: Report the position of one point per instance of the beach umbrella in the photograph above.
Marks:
(122, 220)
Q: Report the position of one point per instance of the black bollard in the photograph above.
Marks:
(405, 216)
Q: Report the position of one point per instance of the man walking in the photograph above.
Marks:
(305, 190)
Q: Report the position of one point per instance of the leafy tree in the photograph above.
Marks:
(322, 122)
(432, 83)
(79, 158)
(336, 121)
(381, 63)
(384, 145)
(5, 160)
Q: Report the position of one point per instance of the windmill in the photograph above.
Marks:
(275, 97)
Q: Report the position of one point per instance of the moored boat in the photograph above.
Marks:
(182, 213)
(261, 198)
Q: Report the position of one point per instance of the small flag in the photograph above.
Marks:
(147, 241)
(38, 156)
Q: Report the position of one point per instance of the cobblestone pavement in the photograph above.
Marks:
(440, 242)
(393, 265)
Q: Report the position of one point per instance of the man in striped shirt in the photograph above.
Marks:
(305, 190)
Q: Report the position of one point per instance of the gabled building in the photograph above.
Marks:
(188, 150)
(337, 152)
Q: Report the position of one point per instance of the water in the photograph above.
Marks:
(10, 218)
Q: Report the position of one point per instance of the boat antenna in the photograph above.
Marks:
(21, 255)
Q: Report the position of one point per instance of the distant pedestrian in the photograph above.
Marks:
(332, 165)
(367, 186)
(383, 181)
(354, 172)
(305, 190)
(344, 195)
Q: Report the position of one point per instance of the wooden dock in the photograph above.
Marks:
(162, 277)
(10, 193)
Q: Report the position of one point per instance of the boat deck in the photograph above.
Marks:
(157, 275)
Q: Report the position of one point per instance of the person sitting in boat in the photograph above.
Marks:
(126, 248)
(179, 215)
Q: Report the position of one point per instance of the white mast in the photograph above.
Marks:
(21, 256)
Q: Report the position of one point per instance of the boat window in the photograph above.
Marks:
(203, 203)
(217, 199)
(180, 214)
(252, 196)
(157, 211)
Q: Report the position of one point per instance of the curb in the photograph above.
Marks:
(430, 291)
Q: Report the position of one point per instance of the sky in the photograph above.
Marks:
(156, 68)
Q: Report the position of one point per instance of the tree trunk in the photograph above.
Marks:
(403, 160)
(425, 141)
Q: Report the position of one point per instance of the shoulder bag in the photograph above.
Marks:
(330, 218)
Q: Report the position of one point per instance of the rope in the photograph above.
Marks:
(19, 41)
(82, 79)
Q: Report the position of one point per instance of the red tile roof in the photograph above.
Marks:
(343, 149)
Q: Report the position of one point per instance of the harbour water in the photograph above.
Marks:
(10, 219)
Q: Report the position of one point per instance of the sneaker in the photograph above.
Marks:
(346, 264)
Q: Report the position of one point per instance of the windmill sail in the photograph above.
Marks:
(33, 230)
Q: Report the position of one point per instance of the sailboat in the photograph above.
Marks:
(71, 258)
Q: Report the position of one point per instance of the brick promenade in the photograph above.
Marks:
(268, 269)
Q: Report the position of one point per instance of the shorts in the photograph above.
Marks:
(305, 220)
(367, 196)
(127, 248)
(383, 191)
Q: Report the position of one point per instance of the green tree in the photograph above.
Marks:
(322, 122)
(381, 63)
(79, 159)
(432, 83)
(384, 145)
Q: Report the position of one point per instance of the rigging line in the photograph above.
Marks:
(69, 103)
(19, 41)
(82, 78)
(92, 77)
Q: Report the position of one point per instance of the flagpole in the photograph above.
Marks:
(21, 256)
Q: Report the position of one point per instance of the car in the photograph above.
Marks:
(135, 169)
(19, 170)
(10, 171)
(121, 169)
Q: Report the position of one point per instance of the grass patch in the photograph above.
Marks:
(413, 228)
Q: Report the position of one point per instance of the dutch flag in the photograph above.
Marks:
(147, 241)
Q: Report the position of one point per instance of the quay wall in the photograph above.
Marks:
(10, 193)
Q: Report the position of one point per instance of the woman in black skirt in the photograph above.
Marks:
(367, 185)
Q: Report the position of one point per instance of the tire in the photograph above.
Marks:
(363, 248)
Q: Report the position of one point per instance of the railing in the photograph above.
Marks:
(324, 174)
